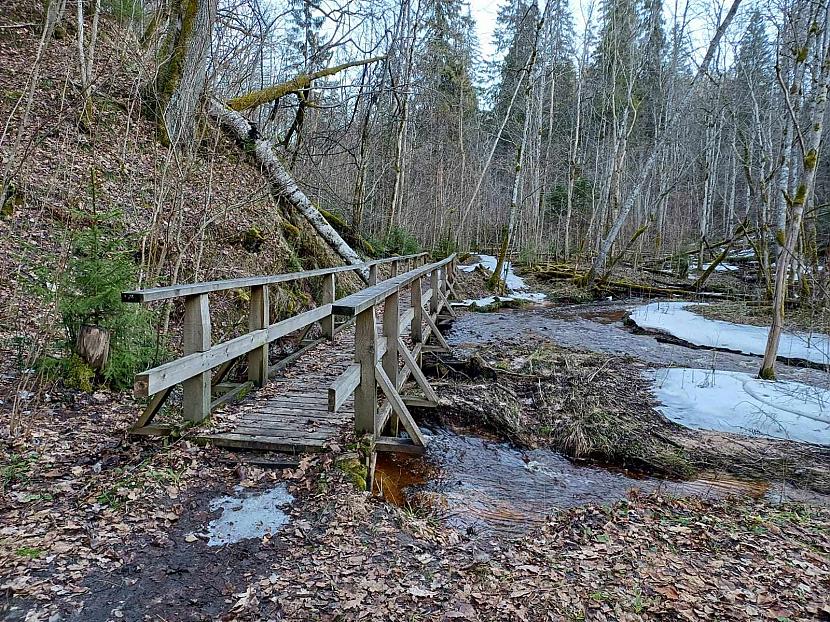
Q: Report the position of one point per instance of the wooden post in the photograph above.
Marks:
(391, 330)
(365, 353)
(393, 269)
(257, 320)
(416, 329)
(434, 284)
(196, 338)
(328, 297)
(373, 274)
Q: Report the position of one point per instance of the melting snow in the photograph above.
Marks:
(514, 283)
(730, 401)
(721, 267)
(674, 319)
(251, 516)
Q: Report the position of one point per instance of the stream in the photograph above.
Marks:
(483, 485)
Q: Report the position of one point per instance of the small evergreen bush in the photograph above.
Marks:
(89, 293)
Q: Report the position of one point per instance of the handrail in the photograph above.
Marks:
(193, 289)
(360, 301)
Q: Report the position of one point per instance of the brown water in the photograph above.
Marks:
(481, 485)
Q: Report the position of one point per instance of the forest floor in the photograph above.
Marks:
(95, 526)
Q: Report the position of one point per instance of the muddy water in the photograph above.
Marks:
(481, 485)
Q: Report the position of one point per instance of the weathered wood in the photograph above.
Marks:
(327, 323)
(417, 374)
(93, 345)
(391, 330)
(232, 394)
(416, 326)
(373, 275)
(436, 332)
(400, 409)
(434, 286)
(374, 294)
(340, 390)
(365, 395)
(446, 305)
(193, 289)
(257, 320)
(195, 342)
(398, 445)
(152, 408)
(418, 402)
(266, 443)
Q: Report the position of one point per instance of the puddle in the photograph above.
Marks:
(478, 485)
(249, 515)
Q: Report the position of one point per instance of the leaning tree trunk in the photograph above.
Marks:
(180, 83)
(280, 181)
(818, 33)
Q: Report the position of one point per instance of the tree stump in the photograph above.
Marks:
(93, 345)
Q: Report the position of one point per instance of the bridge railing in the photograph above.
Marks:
(378, 356)
(203, 388)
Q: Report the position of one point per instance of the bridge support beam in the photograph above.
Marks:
(365, 353)
(258, 319)
(196, 338)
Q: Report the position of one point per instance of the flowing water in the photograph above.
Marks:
(484, 485)
(481, 485)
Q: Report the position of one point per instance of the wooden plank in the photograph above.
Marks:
(391, 331)
(193, 289)
(340, 390)
(196, 343)
(232, 394)
(268, 443)
(365, 395)
(360, 301)
(327, 323)
(437, 332)
(257, 320)
(419, 376)
(172, 373)
(391, 393)
(407, 317)
(433, 288)
(152, 408)
(288, 326)
(401, 445)
(418, 402)
(446, 304)
(152, 430)
(417, 308)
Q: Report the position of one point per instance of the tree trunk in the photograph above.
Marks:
(180, 83)
(280, 181)
(818, 29)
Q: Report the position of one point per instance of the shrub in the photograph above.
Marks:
(89, 293)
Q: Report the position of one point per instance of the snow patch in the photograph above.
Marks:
(248, 516)
(515, 284)
(674, 319)
(737, 402)
(721, 267)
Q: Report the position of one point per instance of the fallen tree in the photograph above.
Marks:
(281, 183)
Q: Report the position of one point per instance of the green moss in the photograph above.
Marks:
(252, 240)
(810, 160)
(29, 551)
(767, 373)
(356, 471)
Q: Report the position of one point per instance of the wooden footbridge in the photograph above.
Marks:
(370, 344)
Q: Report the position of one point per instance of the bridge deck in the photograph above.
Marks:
(290, 414)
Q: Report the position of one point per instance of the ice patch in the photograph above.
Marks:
(737, 402)
(721, 267)
(515, 284)
(674, 319)
(248, 516)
